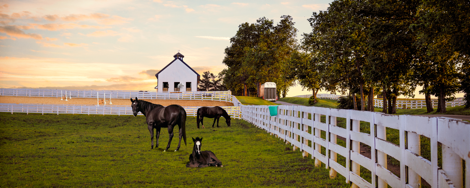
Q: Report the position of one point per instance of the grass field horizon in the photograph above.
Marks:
(80, 150)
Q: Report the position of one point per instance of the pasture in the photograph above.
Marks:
(81, 150)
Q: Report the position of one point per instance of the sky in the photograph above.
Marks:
(122, 44)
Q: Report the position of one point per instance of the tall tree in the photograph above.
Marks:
(258, 53)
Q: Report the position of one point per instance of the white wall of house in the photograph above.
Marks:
(177, 72)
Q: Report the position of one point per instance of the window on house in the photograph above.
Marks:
(165, 86)
(188, 86)
(176, 86)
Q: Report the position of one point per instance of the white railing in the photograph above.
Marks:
(302, 127)
(413, 104)
(233, 111)
(322, 96)
(225, 96)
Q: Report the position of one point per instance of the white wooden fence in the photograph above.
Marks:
(225, 96)
(302, 126)
(322, 96)
(233, 111)
(413, 104)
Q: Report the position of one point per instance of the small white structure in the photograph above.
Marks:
(177, 76)
(268, 91)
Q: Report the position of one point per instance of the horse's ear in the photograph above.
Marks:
(132, 100)
(136, 99)
(194, 140)
(201, 139)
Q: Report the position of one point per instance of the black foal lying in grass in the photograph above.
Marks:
(202, 158)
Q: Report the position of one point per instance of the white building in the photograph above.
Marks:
(177, 76)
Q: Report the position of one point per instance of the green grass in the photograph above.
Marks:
(254, 101)
(114, 151)
(327, 103)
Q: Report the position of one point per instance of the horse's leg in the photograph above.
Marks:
(218, 117)
(180, 136)
(170, 132)
(158, 128)
(215, 118)
(150, 126)
(202, 122)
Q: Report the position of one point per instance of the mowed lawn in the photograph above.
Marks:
(80, 150)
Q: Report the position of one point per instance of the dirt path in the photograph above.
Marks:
(89, 101)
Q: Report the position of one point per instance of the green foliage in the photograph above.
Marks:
(347, 102)
(114, 151)
(258, 53)
(210, 82)
(312, 100)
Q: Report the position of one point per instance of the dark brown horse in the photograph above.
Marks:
(211, 112)
(202, 158)
(159, 116)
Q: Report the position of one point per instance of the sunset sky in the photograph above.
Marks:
(121, 44)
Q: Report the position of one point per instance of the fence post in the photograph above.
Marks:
(381, 156)
(414, 146)
(333, 154)
(452, 165)
(356, 168)
(317, 134)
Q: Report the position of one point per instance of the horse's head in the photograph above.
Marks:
(135, 106)
(227, 120)
(197, 145)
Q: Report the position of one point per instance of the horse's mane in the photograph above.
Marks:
(225, 114)
(146, 106)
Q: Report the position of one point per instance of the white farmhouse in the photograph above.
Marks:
(177, 76)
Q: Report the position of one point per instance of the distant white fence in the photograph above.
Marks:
(225, 96)
(233, 111)
(413, 104)
(322, 96)
(302, 127)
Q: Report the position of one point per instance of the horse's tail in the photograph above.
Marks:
(197, 117)
(183, 124)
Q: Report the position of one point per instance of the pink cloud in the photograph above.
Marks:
(51, 17)
(75, 45)
(79, 17)
(45, 44)
(316, 7)
(55, 27)
(240, 4)
(103, 33)
(51, 39)
(15, 31)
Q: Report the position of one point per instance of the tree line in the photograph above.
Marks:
(362, 48)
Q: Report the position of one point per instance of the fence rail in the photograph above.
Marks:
(413, 104)
(302, 127)
(322, 96)
(233, 111)
(225, 96)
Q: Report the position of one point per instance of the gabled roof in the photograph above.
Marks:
(177, 56)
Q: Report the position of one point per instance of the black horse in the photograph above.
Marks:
(159, 116)
(211, 112)
(202, 158)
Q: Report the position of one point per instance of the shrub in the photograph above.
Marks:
(312, 100)
(347, 102)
